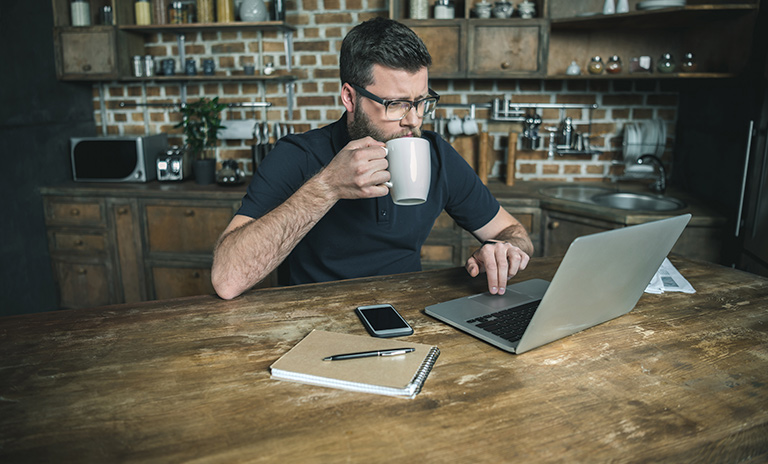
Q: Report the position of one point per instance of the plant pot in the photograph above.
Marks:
(205, 171)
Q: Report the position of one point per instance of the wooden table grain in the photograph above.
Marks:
(682, 378)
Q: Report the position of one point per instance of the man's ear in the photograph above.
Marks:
(348, 98)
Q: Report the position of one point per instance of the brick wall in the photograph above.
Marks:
(321, 25)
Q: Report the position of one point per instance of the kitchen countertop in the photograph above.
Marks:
(680, 378)
(521, 194)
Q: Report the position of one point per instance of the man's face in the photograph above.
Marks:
(369, 117)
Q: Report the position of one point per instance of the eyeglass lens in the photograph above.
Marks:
(396, 110)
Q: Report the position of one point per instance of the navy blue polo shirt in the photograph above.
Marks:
(366, 237)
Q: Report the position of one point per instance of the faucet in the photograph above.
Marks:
(660, 186)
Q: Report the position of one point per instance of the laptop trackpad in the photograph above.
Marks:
(499, 302)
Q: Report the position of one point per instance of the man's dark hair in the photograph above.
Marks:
(384, 42)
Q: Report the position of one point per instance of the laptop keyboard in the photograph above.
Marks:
(509, 324)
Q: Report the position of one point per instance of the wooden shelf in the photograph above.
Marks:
(654, 75)
(206, 78)
(210, 27)
(655, 19)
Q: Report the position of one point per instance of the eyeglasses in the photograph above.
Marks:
(396, 110)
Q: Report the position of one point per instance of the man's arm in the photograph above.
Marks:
(249, 249)
(506, 250)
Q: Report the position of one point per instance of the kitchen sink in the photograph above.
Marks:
(580, 193)
(611, 198)
(638, 201)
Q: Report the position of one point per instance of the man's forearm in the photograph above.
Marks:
(248, 254)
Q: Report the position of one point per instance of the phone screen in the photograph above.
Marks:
(384, 318)
(383, 321)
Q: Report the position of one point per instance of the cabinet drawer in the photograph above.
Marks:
(78, 242)
(185, 229)
(59, 211)
(83, 285)
(497, 49)
(176, 282)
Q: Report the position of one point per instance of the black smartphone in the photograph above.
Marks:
(383, 321)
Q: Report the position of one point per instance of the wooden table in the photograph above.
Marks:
(680, 378)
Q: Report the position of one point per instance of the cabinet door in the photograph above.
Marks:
(498, 49)
(86, 54)
(185, 228)
(446, 42)
(176, 282)
(562, 229)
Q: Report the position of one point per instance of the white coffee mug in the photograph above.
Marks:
(410, 171)
(455, 126)
(469, 126)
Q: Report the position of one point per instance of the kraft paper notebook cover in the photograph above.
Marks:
(401, 375)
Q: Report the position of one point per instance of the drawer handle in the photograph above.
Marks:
(87, 67)
(74, 212)
(189, 213)
(82, 271)
(122, 210)
(196, 274)
(505, 65)
(79, 243)
(554, 225)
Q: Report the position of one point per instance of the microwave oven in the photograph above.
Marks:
(116, 158)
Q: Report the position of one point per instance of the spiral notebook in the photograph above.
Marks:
(402, 375)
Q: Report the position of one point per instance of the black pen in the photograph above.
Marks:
(368, 354)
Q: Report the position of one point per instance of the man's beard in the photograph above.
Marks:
(361, 126)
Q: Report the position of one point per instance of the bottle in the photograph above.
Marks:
(225, 11)
(444, 9)
(689, 63)
(595, 65)
(81, 13)
(143, 11)
(609, 7)
(278, 10)
(614, 65)
(666, 64)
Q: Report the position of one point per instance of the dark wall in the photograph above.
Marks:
(38, 115)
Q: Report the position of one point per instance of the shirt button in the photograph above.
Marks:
(383, 212)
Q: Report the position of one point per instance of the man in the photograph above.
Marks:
(318, 199)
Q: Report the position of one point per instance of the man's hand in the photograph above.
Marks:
(500, 261)
(359, 170)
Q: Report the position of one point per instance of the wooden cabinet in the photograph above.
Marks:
(560, 229)
(719, 34)
(96, 52)
(105, 51)
(93, 244)
(129, 243)
(448, 245)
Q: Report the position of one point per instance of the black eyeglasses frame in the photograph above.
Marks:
(413, 104)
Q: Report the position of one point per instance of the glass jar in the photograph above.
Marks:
(614, 65)
(666, 64)
(80, 10)
(419, 9)
(596, 65)
(225, 11)
(205, 11)
(689, 63)
(143, 10)
(444, 9)
(176, 13)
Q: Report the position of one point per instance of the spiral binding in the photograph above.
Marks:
(424, 370)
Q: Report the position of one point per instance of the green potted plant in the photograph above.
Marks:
(201, 121)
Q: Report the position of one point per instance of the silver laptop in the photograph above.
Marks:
(601, 277)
